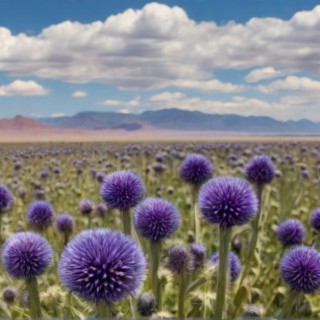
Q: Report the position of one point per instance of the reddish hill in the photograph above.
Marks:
(20, 123)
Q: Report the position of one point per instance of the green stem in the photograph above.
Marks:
(195, 190)
(126, 219)
(155, 261)
(66, 238)
(291, 299)
(132, 308)
(34, 300)
(1, 217)
(223, 272)
(182, 291)
(254, 236)
(104, 310)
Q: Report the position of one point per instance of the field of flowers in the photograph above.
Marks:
(223, 230)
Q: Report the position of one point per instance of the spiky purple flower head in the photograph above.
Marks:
(291, 232)
(101, 209)
(196, 169)
(26, 255)
(6, 198)
(122, 190)
(227, 201)
(156, 219)
(180, 259)
(260, 170)
(315, 219)
(40, 214)
(199, 253)
(102, 265)
(65, 223)
(86, 206)
(234, 265)
(300, 269)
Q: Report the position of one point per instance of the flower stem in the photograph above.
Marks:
(291, 299)
(182, 291)
(34, 300)
(155, 261)
(1, 216)
(126, 219)
(195, 190)
(104, 310)
(223, 272)
(254, 237)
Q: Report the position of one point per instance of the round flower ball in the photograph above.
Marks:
(227, 201)
(65, 223)
(102, 265)
(86, 206)
(315, 219)
(260, 170)
(180, 259)
(196, 169)
(6, 198)
(26, 255)
(300, 269)
(40, 214)
(234, 265)
(156, 219)
(199, 253)
(122, 190)
(291, 232)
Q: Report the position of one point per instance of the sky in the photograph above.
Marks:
(246, 57)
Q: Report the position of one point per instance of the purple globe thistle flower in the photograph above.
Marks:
(101, 209)
(234, 265)
(122, 190)
(26, 255)
(158, 167)
(300, 269)
(17, 165)
(100, 176)
(260, 170)
(65, 223)
(196, 169)
(40, 194)
(291, 232)
(6, 198)
(146, 304)
(227, 201)
(102, 265)
(9, 294)
(86, 206)
(180, 259)
(199, 253)
(156, 219)
(40, 214)
(44, 173)
(315, 219)
(56, 171)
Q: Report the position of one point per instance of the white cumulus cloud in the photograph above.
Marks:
(23, 88)
(262, 74)
(80, 94)
(159, 46)
(291, 83)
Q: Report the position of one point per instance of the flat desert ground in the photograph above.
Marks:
(147, 134)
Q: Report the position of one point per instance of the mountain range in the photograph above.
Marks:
(166, 119)
(175, 119)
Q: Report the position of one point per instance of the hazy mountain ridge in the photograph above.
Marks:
(175, 119)
(166, 119)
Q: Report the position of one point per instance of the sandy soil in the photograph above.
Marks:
(73, 135)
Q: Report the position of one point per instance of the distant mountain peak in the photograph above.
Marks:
(20, 122)
(167, 119)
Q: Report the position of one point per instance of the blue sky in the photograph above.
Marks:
(248, 57)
